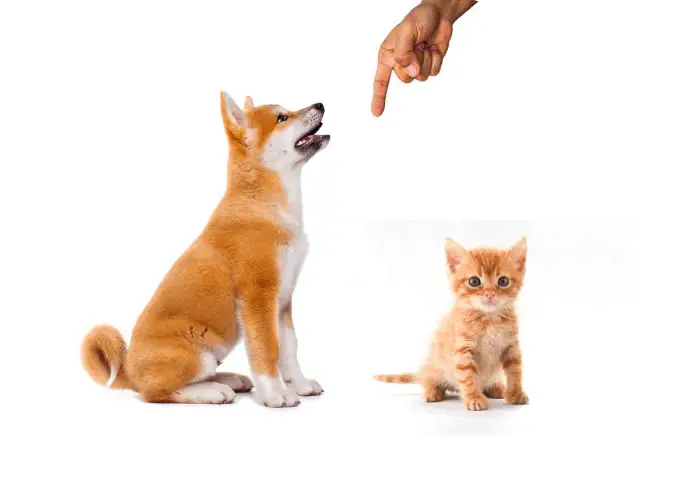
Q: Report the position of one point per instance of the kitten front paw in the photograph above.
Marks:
(517, 397)
(477, 403)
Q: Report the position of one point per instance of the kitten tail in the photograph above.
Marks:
(399, 378)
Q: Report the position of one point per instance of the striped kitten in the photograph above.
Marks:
(476, 350)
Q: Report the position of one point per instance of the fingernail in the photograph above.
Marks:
(412, 70)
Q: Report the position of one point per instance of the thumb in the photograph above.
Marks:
(404, 52)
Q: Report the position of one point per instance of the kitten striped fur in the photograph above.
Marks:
(476, 350)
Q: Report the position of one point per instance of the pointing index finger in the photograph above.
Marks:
(381, 84)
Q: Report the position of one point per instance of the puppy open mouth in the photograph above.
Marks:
(309, 139)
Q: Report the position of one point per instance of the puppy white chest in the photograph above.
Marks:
(292, 255)
(290, 260)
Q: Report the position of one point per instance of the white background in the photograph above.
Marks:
(113, 156)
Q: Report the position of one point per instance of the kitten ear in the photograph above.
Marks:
(248, 103)
(518, 254)
(455, 254)
(234, 117)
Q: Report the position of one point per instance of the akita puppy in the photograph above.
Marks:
(235, 281)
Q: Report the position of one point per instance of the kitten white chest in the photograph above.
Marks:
(493, 343)
(489, 350)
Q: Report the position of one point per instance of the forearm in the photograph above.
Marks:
(452, 9)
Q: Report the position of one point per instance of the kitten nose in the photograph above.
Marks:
(319, 107)
(490, 295)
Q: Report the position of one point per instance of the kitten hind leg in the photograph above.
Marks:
(495, 386)
(495, 390)
(432, 393)
(433, 388)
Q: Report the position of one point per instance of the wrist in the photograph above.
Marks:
(451, 9)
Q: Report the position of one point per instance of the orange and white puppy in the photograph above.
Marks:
(235, 281)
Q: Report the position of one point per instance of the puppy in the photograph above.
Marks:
(235, 281)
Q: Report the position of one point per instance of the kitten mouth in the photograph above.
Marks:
(487, 306)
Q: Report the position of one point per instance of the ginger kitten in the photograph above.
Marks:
(476, 350)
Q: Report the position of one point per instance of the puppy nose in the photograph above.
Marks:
(319, 106)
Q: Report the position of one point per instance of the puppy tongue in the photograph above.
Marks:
(305, 139)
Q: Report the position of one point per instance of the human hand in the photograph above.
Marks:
(416, 47)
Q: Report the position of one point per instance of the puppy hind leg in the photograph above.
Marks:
(239, 383)
(197, 393)
(177, 373)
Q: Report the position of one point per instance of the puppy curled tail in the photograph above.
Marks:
(102, 354)
(399, 378)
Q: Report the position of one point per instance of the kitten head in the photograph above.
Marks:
(484, 278)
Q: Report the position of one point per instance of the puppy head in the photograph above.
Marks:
(280, 138)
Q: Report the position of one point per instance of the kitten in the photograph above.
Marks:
(476, 350)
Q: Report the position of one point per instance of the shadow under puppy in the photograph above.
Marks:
(235, 281)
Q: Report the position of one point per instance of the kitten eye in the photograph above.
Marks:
(474, 281)
(281, 118)
(503, 281)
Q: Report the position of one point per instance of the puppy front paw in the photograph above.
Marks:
(307, 387)
(280, 400)
(271, 392)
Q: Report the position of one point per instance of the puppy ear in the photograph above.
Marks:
(248, 103)
(454, 253)
(234, 117)
(518, 254)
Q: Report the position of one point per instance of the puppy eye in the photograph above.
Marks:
(281, 118)
(474, 281)
(503, 281)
